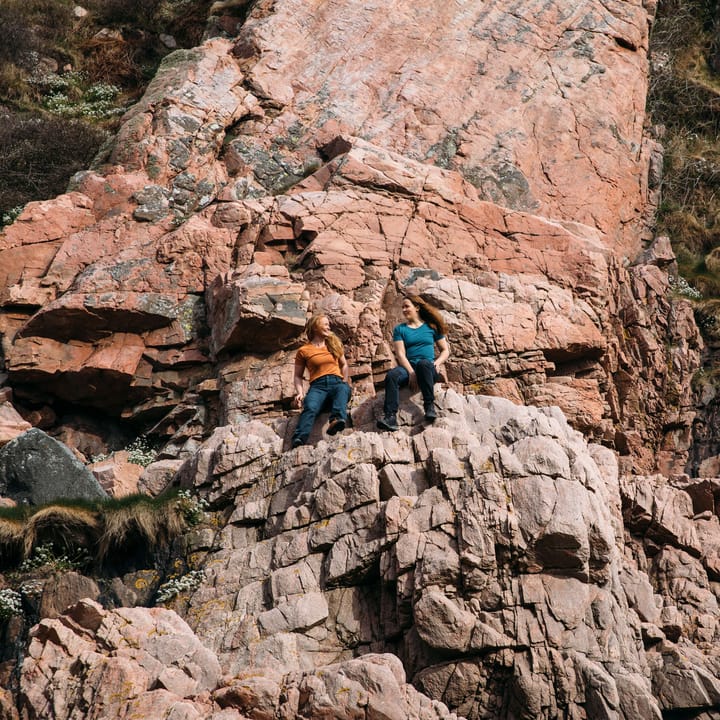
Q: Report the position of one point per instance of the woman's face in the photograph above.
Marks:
(322, 327)
(410, 311)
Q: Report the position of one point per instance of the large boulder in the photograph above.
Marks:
(37, 469)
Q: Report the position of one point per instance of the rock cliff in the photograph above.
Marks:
(537, 553)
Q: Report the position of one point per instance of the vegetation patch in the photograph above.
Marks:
(67, 74)
(73, 533)
(683, 104)
(38, 154)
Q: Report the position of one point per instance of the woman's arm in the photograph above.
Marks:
(299, 383)
(444, 353)
(344, 368)
(401, 357)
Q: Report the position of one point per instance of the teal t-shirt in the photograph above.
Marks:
(419, 342)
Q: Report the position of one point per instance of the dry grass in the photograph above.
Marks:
(14, 86)
(145, 521)
(64, 527)
(12, 532)
(112, 60)
(105, 530)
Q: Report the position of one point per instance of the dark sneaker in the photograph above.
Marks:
(297, 442)
(389, 422)
(430, 414)
(337, 425)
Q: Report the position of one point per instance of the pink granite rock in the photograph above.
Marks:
(116, 475)
(492, 159)
(147, 663)
(188, 200)
(11, 423)
(122, 661)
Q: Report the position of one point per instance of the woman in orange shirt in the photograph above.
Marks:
(324, 359)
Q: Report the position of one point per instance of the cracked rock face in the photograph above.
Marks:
(496, 573)
(514, 98)
(92, 664)
(537, 553)
(488, 554)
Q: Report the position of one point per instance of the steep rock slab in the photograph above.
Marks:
(524, 102)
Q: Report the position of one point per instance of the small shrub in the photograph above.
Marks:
(175, 586)
(32, 589)
(193, 509)
(52, 20)
(10, 603)
(141, 451)
(707, 322)
(185, 20)
(47, 556)
(38, 156)
(14, 87)
(17, 40)
(679, 286)
(72, 95)
(11, 215)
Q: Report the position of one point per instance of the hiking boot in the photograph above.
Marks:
(337, 425)
(430, 414)
(389, 422)
(297, 442)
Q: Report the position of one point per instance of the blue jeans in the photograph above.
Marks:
(328, 389)
(398, 377)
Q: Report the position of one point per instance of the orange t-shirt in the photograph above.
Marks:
(318, 360)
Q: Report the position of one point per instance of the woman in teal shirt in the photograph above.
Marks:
(414, 343)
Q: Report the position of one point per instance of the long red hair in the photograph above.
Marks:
(332, 341)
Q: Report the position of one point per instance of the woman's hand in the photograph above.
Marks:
(298, 384)
(412, 380)
(442, 344)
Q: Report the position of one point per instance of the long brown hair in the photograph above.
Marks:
(332, 341)
(429, 314)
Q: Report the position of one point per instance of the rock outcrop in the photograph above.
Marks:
(486, 550)
(147, 663)
(504, 562)
(539, 552)
(160, 284)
